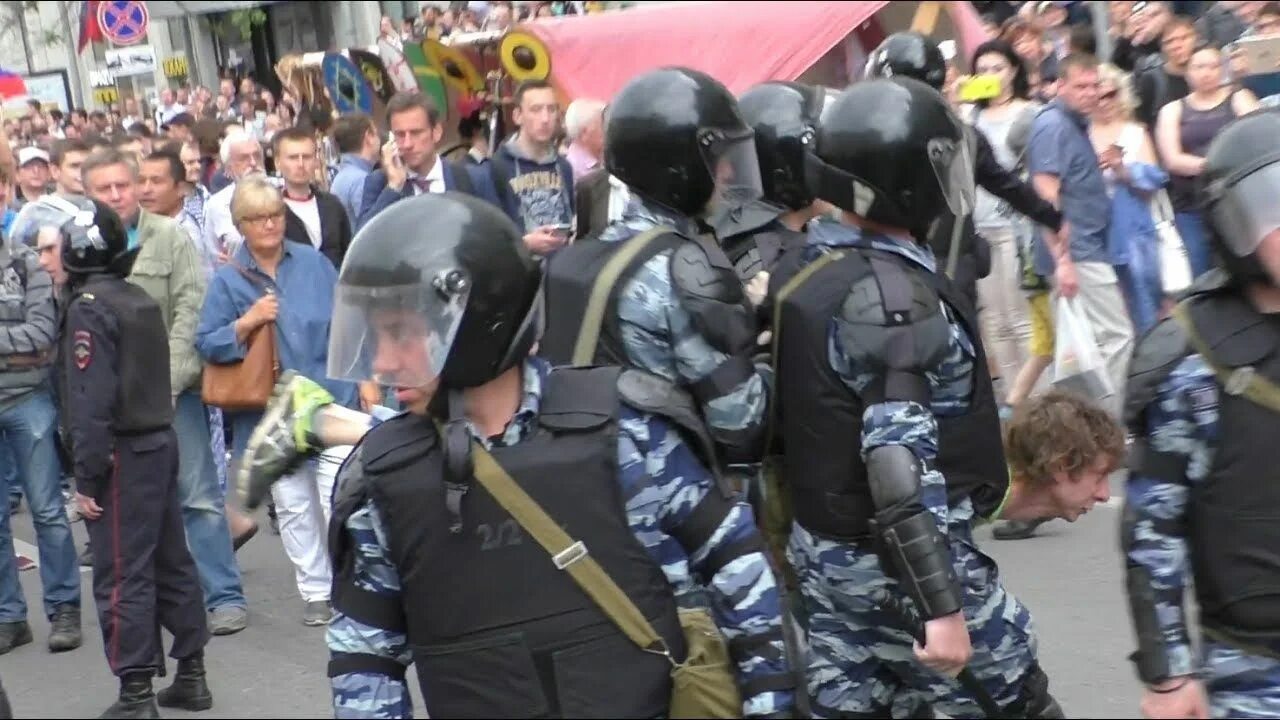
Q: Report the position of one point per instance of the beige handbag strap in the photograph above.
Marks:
(567, 554)
(1237, 381)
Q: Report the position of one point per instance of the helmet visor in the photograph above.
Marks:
(735, 168)
(44, 216)
(396, 335)
(953, 167)
(1248, 210)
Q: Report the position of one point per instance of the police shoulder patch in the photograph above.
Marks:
(82, 349)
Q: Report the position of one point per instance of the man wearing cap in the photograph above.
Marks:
(33, 174)
(179, 127)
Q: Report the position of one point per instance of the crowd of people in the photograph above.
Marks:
(388, 278)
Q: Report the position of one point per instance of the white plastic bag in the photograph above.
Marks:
(1077, 364)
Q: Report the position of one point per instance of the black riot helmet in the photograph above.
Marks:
(438, 286)
(1241, 190)
(675, 137)
(909, 54)
(784, 117)
(892, 152)
(93, 237)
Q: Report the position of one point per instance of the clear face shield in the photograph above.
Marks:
(398, 335)
(952, 164)
(1248, 209)
(44, 217)
(734, 166)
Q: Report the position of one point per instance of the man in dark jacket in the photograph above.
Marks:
(312, 215)
(410, 162)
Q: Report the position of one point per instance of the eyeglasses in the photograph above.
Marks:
(276, 215)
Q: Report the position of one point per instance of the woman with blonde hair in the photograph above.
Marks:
(287, 287)
(1133, 177)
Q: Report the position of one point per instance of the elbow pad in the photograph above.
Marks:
(1150, 659)
(916, 554)
(912, 549)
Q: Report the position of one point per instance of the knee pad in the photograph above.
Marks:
(1034, 701)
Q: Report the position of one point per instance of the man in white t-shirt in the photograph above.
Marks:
(312, 215)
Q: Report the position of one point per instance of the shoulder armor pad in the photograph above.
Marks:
(893, 319)
(579, 398)
(1235, 332)
(694, 275)
(397, 442)
(708, 288)
(1158, 353)
(655, 395)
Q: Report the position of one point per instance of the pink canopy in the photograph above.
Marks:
(739, 43)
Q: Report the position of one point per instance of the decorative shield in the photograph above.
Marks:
(346, 84)
(430, 79)
(525, 57)
(375, 72)
(454, 66)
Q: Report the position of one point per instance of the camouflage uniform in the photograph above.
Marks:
(860, 660)
(1183, 420)
(660, 335)
(662, 483)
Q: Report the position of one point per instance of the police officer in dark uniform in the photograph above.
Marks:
(911, 54)
(784, 117)
(667, 298)
(1204, 407)
(439, 299)
(892, 445)
(119, 415)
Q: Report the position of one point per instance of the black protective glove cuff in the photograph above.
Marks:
(916, 554)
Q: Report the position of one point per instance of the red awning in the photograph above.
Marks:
(740, 44)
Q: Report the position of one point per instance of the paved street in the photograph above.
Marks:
(1069, 575)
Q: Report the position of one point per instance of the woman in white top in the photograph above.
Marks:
(1134, 179)
(1003, 310)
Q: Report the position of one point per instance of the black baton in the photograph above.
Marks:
(910, 622)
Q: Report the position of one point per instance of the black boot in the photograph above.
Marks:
(136, 701)
(1017, 529)
(189, 690)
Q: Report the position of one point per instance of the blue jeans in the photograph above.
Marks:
(203, 512)
(28, 429)
(1196, 239)
(9, 472)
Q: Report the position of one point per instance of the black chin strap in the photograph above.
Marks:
(457, 460)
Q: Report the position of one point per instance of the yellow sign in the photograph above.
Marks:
(106, 95)
(175, 66)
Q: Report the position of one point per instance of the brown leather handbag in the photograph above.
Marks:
(247, 384)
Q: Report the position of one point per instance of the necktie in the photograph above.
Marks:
(422, 183)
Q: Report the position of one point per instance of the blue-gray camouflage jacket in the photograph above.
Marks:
(660, 336)
(1182, 420)
(662, 482)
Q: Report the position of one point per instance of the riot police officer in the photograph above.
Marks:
(119, 414)
(784, 117)
(913, 55)
(875, 344)
(655, 291)
(1202, 405)
(439, 299)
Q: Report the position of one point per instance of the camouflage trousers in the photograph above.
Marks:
(860, 661)
(1241, 685)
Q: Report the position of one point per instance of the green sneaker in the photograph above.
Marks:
(282, 439)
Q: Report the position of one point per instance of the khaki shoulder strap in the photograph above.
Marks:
(567, 554)
(584, 350)
(783, 293)
(1236, 381)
